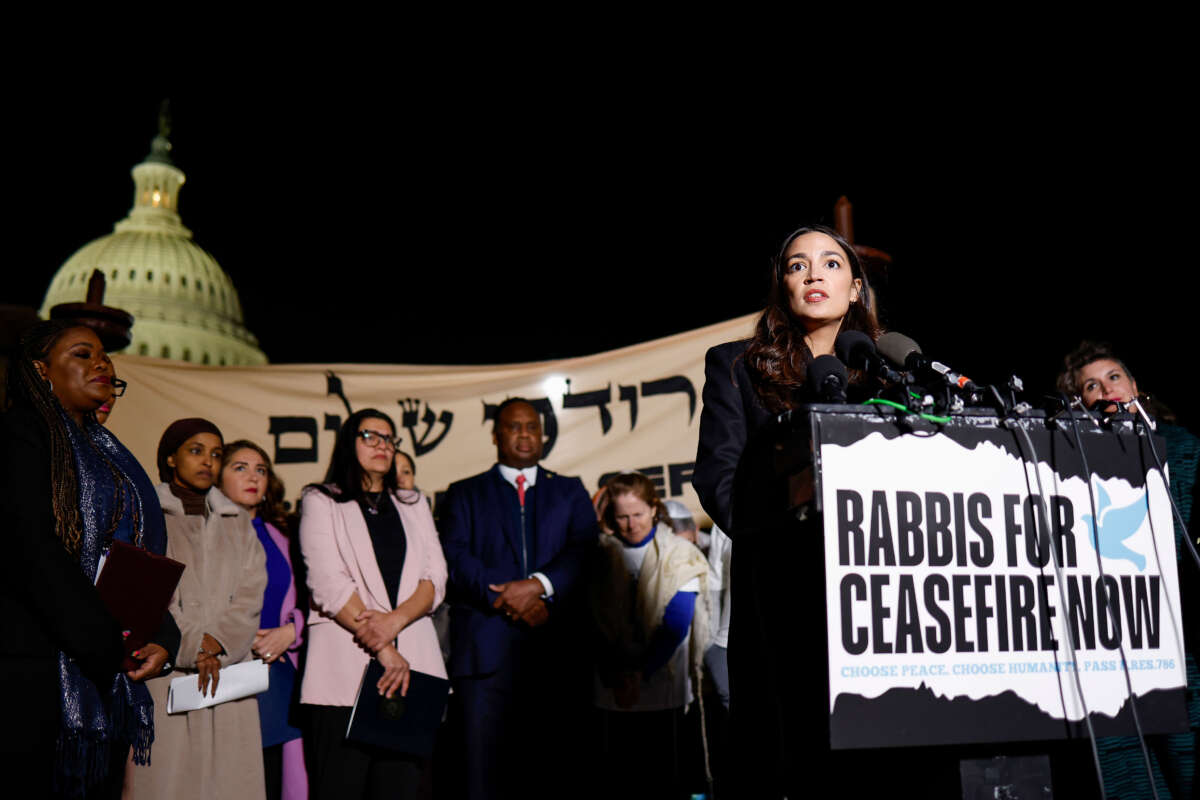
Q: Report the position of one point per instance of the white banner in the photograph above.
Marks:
(936, 581)
(633, 408)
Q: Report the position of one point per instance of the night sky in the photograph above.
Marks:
(500, 220)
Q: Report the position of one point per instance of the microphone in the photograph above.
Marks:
(905, 353)
(857, 351)
(827, 379)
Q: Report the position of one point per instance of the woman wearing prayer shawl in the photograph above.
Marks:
(70, 716)
(213, 752)
(650, 604)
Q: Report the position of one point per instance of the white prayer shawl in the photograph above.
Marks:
(670, 563)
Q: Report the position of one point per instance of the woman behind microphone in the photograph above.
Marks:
(376, 572)
(779, 710)
(1100, 379)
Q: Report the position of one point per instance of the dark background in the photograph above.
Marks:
(524, 216)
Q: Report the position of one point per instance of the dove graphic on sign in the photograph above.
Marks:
(1116, 526)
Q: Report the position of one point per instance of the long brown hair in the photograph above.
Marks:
(25, 384)
(271, 507)
(777, 356)
(1089, 351)
(638, 485)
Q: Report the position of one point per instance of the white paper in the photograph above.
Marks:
(100, 564)
(236, 681)
(357, 697)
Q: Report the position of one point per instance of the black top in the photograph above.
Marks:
(387, 538)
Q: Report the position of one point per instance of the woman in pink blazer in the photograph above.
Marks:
(375, 573)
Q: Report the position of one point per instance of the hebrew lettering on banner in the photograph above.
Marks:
(600, 398)
(422, 444)
(295, 410)
(307, 426)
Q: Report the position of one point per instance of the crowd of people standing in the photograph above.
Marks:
(582, 631)
(354, 577)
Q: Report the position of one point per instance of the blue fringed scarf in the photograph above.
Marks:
(116, 501)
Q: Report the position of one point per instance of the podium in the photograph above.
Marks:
(966, 602)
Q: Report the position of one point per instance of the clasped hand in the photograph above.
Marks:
(396, 672)
(522, 600)
(377, 629)
(271, 643)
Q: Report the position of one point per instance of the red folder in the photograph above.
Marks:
(136, 587)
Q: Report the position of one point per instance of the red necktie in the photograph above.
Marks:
(521, 489)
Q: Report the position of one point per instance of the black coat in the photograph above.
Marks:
(47, 604)
(778, 657)
(734, 481)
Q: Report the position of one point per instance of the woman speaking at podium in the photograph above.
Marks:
(777, 663)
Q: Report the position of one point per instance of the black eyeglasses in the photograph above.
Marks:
(118, 387)
(377, 439)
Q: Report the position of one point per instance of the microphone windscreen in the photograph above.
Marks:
(822, 367)
(826, 379)
(896, 348)
(854, 348)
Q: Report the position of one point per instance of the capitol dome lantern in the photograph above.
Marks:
(184, 305)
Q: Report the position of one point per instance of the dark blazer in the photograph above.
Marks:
(731, 416)
(47, 604)
(482, 546)
(735, 481)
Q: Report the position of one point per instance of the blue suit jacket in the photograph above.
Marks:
(483, 546)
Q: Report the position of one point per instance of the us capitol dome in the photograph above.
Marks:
(183, 303)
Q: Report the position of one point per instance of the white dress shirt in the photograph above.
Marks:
(510, 474)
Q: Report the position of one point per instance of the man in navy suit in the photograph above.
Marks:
(516, 540)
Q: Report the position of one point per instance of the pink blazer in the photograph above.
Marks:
(288, 611)
(340, 559)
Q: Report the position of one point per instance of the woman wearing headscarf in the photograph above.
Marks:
(213, 752)
(69, 488)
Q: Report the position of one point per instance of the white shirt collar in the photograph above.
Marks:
(510, 474)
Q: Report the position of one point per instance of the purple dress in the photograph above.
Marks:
(279, 608)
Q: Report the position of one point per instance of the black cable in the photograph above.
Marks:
(1014, 425)
(1114, 610)
(1154, 539)
(1187, 536)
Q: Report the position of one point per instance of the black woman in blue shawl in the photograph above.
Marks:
(70, 717)
(1093, 373)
